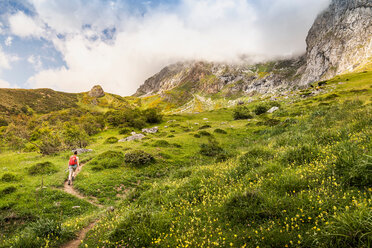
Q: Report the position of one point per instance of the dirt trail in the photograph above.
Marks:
(81, 236)
(70, 190)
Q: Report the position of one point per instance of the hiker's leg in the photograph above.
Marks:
(71, 170)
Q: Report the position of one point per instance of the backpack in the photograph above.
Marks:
(73, 160)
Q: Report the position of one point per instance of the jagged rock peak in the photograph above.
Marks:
(96, 91)
(339, 40)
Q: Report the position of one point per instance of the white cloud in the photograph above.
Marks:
(8, 41)
(35, 61)
(4, 60)
(214, 30)
(1, 28)
(4, 84)
(25, 26)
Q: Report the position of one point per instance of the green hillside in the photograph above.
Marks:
(230, 177)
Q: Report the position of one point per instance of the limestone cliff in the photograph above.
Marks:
(339, 40)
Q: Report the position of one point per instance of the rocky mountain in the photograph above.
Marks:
(209, 78)
(339, 40)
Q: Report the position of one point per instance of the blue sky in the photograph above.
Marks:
(75, 44)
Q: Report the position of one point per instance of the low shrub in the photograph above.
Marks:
(138, 158)
(42, 168)
(107, 160)
(255, 156)
(7, 190)
(140, 227)
(204, 133)
(299, 155)
(8, 177)
(45, 227)
(125, 130)
(211, 149)
(111, 140)
(197, 135)
(161, 143)
(247, 206)
(241, 113)
(348, 229)
(205, 127)
(260, 109)
(220, 131)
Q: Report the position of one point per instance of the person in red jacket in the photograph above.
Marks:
(73, 164)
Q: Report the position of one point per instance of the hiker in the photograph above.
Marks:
(73, 163)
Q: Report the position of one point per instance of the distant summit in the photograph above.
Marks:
(96, 92)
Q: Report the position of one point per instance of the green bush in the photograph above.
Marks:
(7, 190)
(204, 133)
(42, 168)
(299, 155)
(161, 143)
(255, 156)
(260, 109)
(111, 140)
(140, 227)
(3, 123)
(197, 135)
(220, 131)
(108, 160)
(138, 158)
(205, 127)
(125, 130)
(211, 149)
(152, 116)
(45, 227)
(241, 208)
(348, 229)
(241, 113)
(354, 168)
(8, 177)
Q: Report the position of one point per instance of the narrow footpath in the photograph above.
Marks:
(81, 236)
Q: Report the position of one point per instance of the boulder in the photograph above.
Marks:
(135, 136)
(81, 150)
(272, 110)
(96, 92)
(150, 130)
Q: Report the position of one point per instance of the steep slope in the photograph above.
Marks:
(339, 40)
(39, 100)
(178, 82)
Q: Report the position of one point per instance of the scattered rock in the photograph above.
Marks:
(81, 150)
(272, 110)
(76, 207)
(135, 136)
(111, 209)
(165, 126)
(150, 130)
(205, 119)
(170, 121)
(96, 91)
(196, 123)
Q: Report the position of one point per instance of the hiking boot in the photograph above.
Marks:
(73, 178)
(69, 182)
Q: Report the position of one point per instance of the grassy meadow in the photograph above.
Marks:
(298, 177)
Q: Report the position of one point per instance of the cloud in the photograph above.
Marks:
(8, 41)
(4, 84)
(4, 60)
(36, 62)
(25, 26)
(213, 30)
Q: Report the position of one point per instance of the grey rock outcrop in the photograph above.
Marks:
(135, 136)
(96, 92)
(81, 150)
(150, 130)
(339, 40)
(272, 110)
